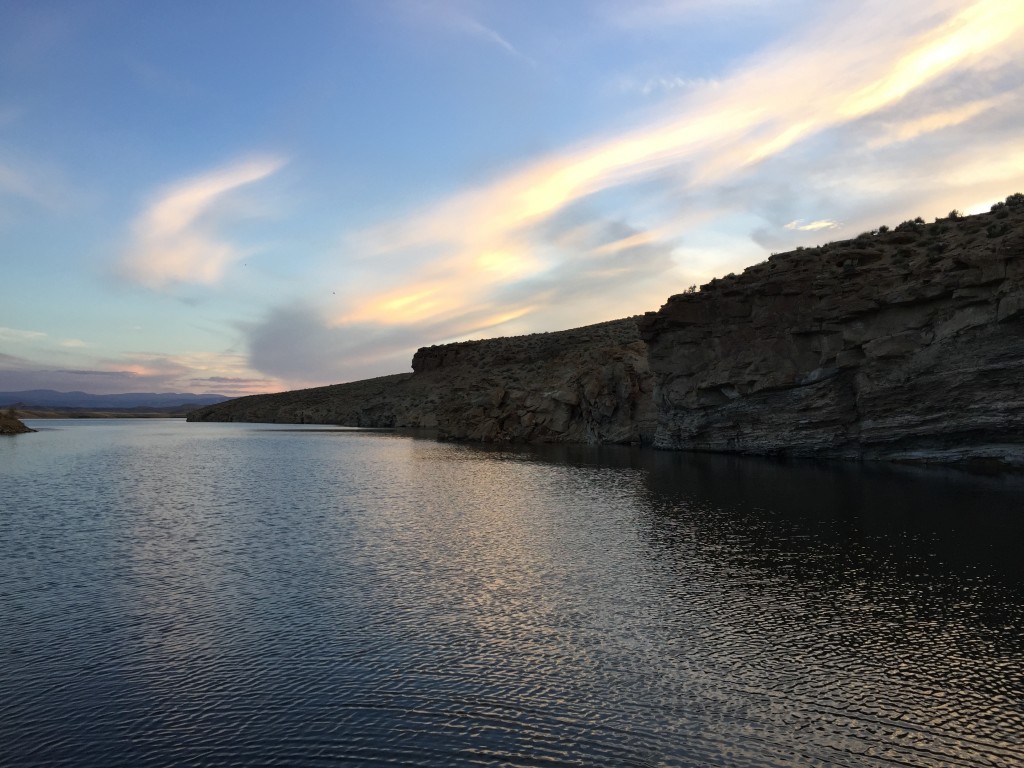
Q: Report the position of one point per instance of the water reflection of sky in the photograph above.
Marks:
(225, 593)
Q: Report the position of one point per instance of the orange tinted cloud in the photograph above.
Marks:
(837, 71)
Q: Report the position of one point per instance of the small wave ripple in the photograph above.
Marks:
(219, 595)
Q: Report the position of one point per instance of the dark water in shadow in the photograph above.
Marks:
(210, 594)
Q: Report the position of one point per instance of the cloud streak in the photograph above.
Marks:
(20, 335)
(139, 372)
(36, 183)
(447, 16)
(563, 241)
(176, 239)
(811, 226)
(482, 32)
(659, 13)
(838, 71)
(664, 84)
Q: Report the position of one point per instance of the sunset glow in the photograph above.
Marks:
(295, 219)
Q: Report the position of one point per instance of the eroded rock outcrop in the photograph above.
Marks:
(588, 384)
(896, 345)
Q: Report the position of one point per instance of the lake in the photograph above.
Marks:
(243, 595)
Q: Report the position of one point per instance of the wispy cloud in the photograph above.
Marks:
(137, 372)
(17, 334)
(480, 31)
(38, 184)
(659, 13)
(834, 73)
(664, 84)
(176, 239)
(25, 177)
(918, 125)
(812, 226)
(447, 16)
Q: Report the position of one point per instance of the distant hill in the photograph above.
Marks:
(52, 398)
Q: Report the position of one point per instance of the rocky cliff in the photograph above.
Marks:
(904, 344)
(588, 384)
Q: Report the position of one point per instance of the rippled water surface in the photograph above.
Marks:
(219, 594)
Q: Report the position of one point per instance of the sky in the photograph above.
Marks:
(248, 196)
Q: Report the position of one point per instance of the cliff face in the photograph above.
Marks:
(898, 345)
(906, 345)
(588, 384)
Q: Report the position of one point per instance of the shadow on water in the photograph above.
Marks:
(931, 542)
(896, 590)
(932, 518)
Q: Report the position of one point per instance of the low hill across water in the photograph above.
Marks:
(139, 412)
(49, 398)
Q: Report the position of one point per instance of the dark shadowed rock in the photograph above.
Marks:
(904, 345)
(12, 425)
(586, 385)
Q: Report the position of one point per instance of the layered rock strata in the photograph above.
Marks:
(904, 345)
(588, 384)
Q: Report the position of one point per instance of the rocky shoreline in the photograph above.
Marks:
(903, 344)
(12, 425)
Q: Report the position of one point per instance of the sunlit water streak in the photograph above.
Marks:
(216, 594)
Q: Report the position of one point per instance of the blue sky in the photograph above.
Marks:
(250, 196)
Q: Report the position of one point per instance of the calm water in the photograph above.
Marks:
(219, 594)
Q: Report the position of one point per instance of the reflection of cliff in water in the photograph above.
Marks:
(868, 516)
(881, 592)
(918, 519)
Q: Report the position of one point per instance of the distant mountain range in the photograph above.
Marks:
(52, 398)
